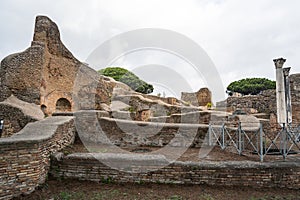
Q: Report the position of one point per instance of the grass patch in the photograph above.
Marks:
(176, 197)
(206, 197)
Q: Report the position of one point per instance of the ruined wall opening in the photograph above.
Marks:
(63, 105)
(43, 108)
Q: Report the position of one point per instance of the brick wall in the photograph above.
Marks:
(295, 95)
(90, 124)
(234, 173)
(199, 98)
(16, 114)
(25, 157)
(263, 103)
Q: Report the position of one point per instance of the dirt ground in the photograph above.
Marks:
(77, 190)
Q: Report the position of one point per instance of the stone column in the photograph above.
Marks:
(286, 72)
(280, 91)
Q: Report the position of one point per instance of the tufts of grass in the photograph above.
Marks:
(176, 197)
(206, 197)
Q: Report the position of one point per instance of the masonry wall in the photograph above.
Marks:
(14, 120)
(263, 103)
(295, 95)
(16, 114)
(96, 127)
(244, 173)
(25, 157)
(200, 98)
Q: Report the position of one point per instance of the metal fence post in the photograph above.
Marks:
(283, 141)
(240, 138)
(223, 136)
(261, 145)
(209, 135)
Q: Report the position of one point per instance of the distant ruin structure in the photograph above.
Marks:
(200, 98)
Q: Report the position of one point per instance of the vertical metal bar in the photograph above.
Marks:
(240, 138)
(261, 146)
(209, 135)
(223, 136)
(284, 141)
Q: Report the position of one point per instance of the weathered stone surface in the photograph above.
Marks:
(263, 103)
(197, 117)
(139, 104)
(200, 98)
(47, 73)
(46, 31)
(91, 90)
(295, 97)
(16, 114)
(20, 74)
(94, 127)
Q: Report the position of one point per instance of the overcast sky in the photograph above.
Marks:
(240, 37)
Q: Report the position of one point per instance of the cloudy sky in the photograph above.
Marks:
(240, 37)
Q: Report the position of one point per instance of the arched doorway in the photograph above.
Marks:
(63, 105)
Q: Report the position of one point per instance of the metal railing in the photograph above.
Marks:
(255, 139)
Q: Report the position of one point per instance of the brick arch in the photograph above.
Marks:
(63, 105)
(50, 100)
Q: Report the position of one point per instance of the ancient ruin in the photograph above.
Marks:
(50, 99)
(200, 98)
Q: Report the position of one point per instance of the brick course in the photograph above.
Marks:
(25, 157)
(231, 173)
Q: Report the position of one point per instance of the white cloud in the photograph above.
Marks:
(241, 37)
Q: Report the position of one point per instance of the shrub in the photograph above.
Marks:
(129, 78)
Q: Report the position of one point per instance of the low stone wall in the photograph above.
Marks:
(200, 117)
(168, 100)
(235, 173)
(16, 114)
(25, 157)
(96, 127)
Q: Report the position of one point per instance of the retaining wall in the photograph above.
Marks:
(235, 173)
(25, 157)
(90, 125)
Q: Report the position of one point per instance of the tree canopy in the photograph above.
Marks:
(251, 86)
(129, 78)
